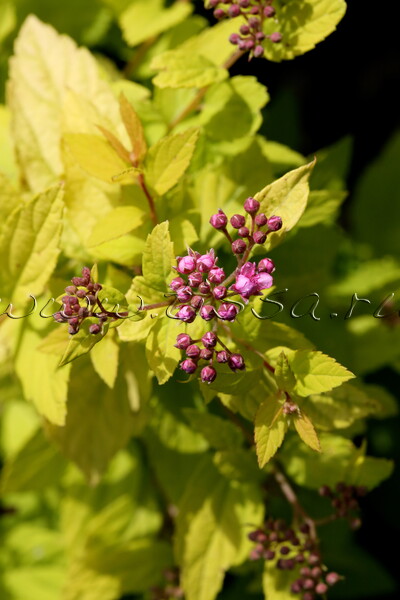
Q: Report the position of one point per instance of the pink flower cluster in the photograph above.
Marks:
(251, 280)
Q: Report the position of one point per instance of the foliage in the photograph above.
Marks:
(122, 475)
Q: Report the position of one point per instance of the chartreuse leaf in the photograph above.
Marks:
(283, 374)
(82, 342)
(316, 372)
(303, 23)
(43, 383)
(9, 197)
(134, 128)
(8, 19)
(220, 434)
(99, 421)
(118, 222)
(339, 461)
(161, 353)
(39, 82)
(211, 531)
(286, 198)
(271, 426)
(95, 155)
(323, 207)
(306, 431)
(143, 20)
(29, 245)
(8, 165)
(158, 257)
(276, 582)
(238, 464)
(104, 358)
(168, 159)
(180, 69)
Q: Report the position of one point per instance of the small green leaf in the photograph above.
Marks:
(316, 372)
(95, 155)
(306, 431)
(158, 257)
(180, 69)
(161, 354)
(82, 342)
(104, 358)
(270, 428)
(286, 198)
(118, 222)
(323, 207)
(134, 128)
(283, 374)
(168, 159)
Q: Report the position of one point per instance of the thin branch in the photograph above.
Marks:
(149, 197)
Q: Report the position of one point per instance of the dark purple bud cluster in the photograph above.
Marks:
(171, 589)
(205, 349)
(251, 34)
(81, 301)
(345, 501)
(288, 549)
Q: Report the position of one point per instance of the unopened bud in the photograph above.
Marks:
(206, 353)
(208, 374)
(261, 220)
(238, 221)
(183, 340)
(259, 237)
(94, 329)
(219, 220)
(193, 351)
(251, 206)
(275, 37)
(209, 339)
(222, 356)
(258, 51)
(266, 265)
(236, 362)
(269, 11)
(239, 246)
(234, 10)
(188, 365)
(274, 223)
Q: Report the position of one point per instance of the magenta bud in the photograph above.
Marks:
(74, 321)
(197, 302)
(90, 287)
(81, 293)
(70, 289)
(236, 362)
(269, 12)
(321, 588)
(204, 288)
(308, 584)
(260, 35)
(94, 329)
(176, 283)
(228, 311)
(254, 10)
(275, 37)
(209, 339)
(242, 44)
(254, 22)
(266, 266)
(97, 287)
(83, 311)
(251, 206)
(208, 374)
(261, 220)
(244, 3)
(187, 314)
(213, 3)
(195, 279)
(239, 246)
(249, 44)
(219, 292)
(274, 223)
(308, 596)
(184, 294)
(216, 275)
(59, 317)
(296, 587)
(193, 351)
(219, 220)
(234, 10)
(219, 13)
(258, 51)
(234, 38)
(206, 262)
(222, 356)
(78, 281)
(207, 312)
(244, 30)
(259, 237)
(237, 221)
(332, 578)
(188, 365)
(72, 330)
(269, 555)
(68, 312)
(183, 340)
(244, 232)
(187, 264)
(206, 354)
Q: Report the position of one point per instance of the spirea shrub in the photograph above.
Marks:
(160, 427)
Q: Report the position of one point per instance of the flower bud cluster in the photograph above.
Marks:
(345, 501)
(80, 302)
(251, 34)
(206, 350)
(287, 550)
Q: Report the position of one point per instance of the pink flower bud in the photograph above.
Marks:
(274, 223)
(59, 317)
(188, 365)
(219, 13)
(258, 51)
(269, 12)
(234, 10)
(187, 264)
(219, 220)
(193, 351)
(207, 312)
(206, 354)
(254, 10)
(70, 289)
(259, 237)
(176, 283)
(183, 340)
(206, 262)
(216, 275)
(244, 30)
(249, 44)
(222, 357)
(209, 339)
(249, 269)
(332, 578)
(244, 3)
(86, 274)
(261, 220)
(245, 286)
(204, 288)
(234, 38)
(251, 205)
(187, 314)
(236, 362)
(238, 221)
(195, 279)
(239, 246)
(184, 293)
(219, 292)
(197, 302)
(321, 588)
(78, 281)
(244, 232)
(260, 35)
(266, 266)
(94, 329)
(228, 311)
(263, 281)
(275, 37)
(254, 22)
(81, 293)
(208, 374)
